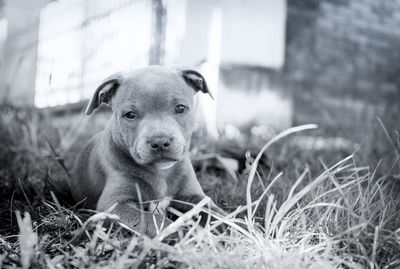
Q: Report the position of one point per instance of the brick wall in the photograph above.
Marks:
(343, 63)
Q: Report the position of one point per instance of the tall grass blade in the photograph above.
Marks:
(259, 155)
(27, 239)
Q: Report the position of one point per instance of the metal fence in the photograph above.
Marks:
(83, 41)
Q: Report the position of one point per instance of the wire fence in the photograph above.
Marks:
(83, 41)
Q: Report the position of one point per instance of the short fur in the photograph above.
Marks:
(145, 158)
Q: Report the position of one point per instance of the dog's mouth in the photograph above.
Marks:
(163, 164)
(164, 161)
(160, 161)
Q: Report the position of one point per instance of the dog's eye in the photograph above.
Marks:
(130, 115)
(179, 109)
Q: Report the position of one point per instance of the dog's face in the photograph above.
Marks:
(152, 112)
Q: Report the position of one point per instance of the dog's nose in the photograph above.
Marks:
(160, 143)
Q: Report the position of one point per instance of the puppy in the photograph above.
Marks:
(142, 155)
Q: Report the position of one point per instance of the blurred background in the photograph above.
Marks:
(271, 64)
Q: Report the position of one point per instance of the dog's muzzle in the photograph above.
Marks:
(161, 150)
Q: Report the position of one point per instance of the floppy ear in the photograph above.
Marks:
(104, 92)
(195, 80)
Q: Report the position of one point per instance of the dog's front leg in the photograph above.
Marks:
(184, 204)
(131, 214)
(144, 222)
(192, 193)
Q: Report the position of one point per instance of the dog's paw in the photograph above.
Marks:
(155, 225)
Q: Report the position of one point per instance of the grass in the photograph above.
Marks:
(291, 204)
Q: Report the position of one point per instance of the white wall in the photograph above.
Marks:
(252, 33)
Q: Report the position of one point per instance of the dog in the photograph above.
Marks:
(142, 154)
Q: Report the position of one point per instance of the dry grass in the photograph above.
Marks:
(313, 215)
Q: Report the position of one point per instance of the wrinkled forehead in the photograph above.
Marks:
(153, 88)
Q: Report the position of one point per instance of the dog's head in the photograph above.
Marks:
(152, 112)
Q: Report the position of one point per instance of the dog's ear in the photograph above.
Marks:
(104, 92)
(195, 80)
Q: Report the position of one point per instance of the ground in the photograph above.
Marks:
(304, 201)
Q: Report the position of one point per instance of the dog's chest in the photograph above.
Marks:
(166, 184)
(162, 196)
(163, 187)
(160, 188)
